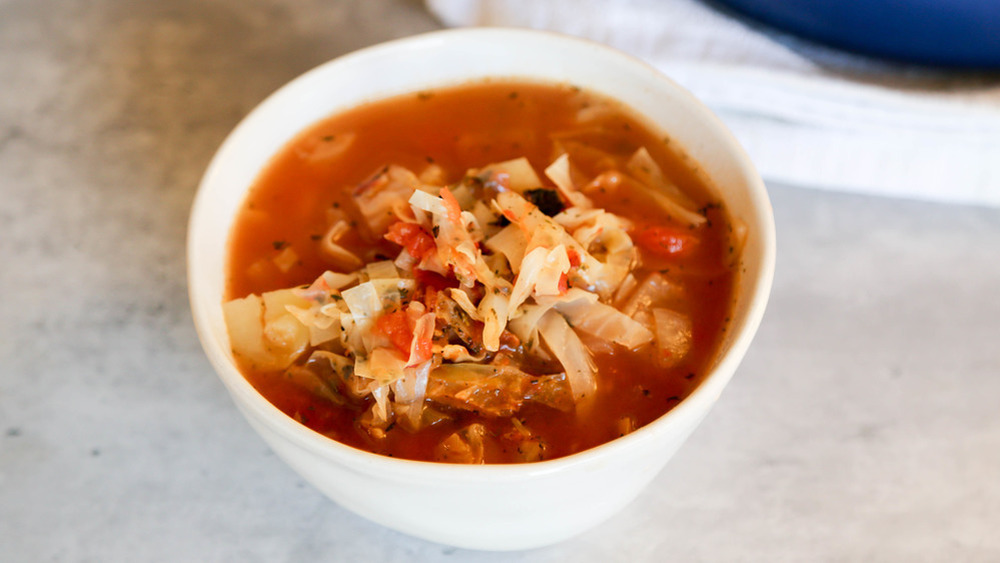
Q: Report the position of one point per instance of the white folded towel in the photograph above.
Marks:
(808, 115)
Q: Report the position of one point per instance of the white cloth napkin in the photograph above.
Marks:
(808, 115)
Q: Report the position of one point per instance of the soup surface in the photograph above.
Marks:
(493, 273)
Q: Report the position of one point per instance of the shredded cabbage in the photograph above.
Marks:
(566, 346)
(605, 322)
(643, 168)
(527, 290)
(560, 174)
(339, 255)
(376, 197)
(511, 242)
(517, 174)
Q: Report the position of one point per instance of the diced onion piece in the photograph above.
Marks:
(673, 335)
(565, 345)
(606, 322)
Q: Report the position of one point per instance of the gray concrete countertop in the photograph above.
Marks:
(864, 424)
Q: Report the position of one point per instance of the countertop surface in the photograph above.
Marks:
(863, 425)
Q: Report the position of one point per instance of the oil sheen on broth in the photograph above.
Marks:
(626, 255)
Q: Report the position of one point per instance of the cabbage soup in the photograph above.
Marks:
(493, 273)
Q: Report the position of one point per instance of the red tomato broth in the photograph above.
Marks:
(458, 129)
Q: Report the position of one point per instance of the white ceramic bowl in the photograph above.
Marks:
(498, 507)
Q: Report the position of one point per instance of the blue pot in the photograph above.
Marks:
(962, 33)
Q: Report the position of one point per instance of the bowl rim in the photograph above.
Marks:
(707, 391)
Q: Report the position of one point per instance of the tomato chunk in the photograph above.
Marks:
(397, 327)
(412, 237)
(426, 278)
(667, 242)
(423, 350)
(574, 257)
